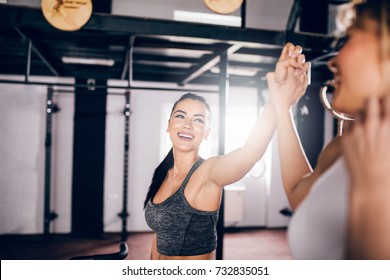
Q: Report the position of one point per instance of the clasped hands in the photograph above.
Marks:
(290, 79)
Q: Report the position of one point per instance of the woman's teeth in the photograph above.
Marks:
(186, 136)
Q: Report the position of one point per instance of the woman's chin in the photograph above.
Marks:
(348, 112)
(348, 109)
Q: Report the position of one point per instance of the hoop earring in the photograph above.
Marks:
(341, 117)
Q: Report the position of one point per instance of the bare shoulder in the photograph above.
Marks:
(201, 192)
(209, 169)
(205, 169)
(208, 164)
(212, 160)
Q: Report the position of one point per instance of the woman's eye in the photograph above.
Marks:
(179, 116)
(199, 120)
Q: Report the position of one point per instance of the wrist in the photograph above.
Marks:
(283, 112)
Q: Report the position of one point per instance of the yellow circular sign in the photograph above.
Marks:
(67, 15)
(223, 6)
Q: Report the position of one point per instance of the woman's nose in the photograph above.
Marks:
(332, 65)
(187, 124)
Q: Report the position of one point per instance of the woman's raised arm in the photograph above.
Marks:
(289, 82)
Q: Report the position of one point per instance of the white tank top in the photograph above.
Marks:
(317, 229)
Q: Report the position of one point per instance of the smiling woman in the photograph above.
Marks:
(326, 202)
(182, 204)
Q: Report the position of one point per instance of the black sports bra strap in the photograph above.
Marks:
(192, 170)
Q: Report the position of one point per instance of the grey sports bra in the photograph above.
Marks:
(182, 230)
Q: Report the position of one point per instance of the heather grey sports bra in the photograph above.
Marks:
(182, 230)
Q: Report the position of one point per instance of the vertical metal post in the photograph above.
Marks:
(295, 13)
(243, 14)
(89, 142)
(48, 214)
(223, 99)
(28, 64)
(124, 214)
(131, 50)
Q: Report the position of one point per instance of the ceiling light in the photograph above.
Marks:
(88, 61)
(207, 18)
(250, 72)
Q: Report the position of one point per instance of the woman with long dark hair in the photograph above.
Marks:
(183, 200)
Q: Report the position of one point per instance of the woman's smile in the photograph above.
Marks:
(185, 136)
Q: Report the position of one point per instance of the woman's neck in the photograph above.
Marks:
(183, 162)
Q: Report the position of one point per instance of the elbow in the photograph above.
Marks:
(293, 206)
(295, 198)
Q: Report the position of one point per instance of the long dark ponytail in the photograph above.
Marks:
(162, 170)
(159, 175)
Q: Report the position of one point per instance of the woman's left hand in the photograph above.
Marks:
(366, 146)
(290, 79)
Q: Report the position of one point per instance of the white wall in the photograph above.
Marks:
(22, 126)
(22, 150)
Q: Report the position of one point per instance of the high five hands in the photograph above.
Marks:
(290, 79)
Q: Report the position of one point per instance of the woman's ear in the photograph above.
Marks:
(206, 137)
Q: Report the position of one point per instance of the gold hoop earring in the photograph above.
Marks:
(326, 103)
(341, 117)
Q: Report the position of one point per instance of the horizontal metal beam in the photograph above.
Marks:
(163, 58)
(32, 17)
(4, 81)
(209, 62)
(165, 43)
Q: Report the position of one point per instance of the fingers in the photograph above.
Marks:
(286, 51)
(301, 59)
(293, 52)
(365, 145)
(290, 51)
(302, 69)
(291, 56)
(291, 63)
(290, 79)
(303, 82)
